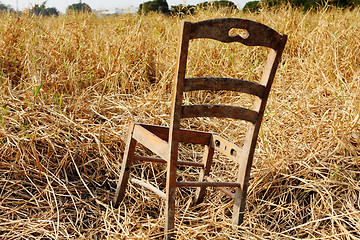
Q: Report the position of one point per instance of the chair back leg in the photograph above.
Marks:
(239, 206)
(207, 160)
(246, 161)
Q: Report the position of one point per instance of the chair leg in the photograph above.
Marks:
(125, 168)
(170, 196)
(240, 193)
(239, 205)
(207, 159)
(170, 214)
(244, 172)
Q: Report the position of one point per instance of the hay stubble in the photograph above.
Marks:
(70, 85)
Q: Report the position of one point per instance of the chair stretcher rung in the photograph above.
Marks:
(188, 163)
(149, 186)
(207, 184)
(224, 190)
(160, 160)
(149, 159)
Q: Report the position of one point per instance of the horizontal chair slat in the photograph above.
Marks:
(189, 111)
(258, 34)
(227, 84)
(207, 184)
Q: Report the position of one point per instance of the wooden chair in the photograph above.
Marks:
(164, 141)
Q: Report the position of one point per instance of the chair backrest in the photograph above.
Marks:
(218, 29)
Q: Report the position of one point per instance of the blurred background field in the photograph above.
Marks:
(69, 86)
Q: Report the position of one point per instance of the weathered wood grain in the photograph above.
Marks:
(220, 111)
(164, 141)
(218, 29)
(224, 84)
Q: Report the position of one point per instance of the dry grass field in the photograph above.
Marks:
(70, 85)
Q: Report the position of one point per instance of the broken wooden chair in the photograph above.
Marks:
(164, 141)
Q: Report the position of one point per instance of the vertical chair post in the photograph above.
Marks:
(207, 160)
(125, 166)
(174, 130)
(259, 105)
(244, 174)
(170, 193)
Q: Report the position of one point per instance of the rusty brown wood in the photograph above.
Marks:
(226, 147)
(151, 141)
(185, 135)
(149, 159)
(190, 163)
(204, 172)
(160, 160)
(220, 111)
(207, 184)
(125, 167)
(218, 29)
(224, 84)
(164, 141)
(175, 129)
(247, 156)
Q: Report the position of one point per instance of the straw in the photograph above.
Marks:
(70, 85)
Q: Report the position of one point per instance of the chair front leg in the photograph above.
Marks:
(171, 192)
(170, 213)
(125, 168)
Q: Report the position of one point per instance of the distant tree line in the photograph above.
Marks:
(42, 10)
(162, 6)
(74, 8)
(6, 8)
(255, 6)
(79, 7)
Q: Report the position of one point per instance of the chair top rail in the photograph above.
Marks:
(220, 111)
(218, 29)
(227, 84)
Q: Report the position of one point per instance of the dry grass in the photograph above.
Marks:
(70, 85)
